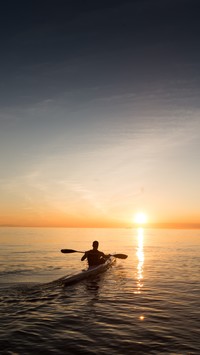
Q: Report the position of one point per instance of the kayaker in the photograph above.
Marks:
(94, 256)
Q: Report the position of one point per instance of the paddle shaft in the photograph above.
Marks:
(69, 251)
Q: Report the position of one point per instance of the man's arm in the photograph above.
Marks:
(105, 256)
(84, 256)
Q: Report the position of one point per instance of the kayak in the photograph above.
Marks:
(90, 272)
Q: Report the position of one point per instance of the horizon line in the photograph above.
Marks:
(161, 225)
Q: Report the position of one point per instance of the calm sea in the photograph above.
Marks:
(146, 304)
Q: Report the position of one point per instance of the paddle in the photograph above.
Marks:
(69, 251)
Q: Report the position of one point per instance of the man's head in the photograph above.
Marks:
(95, 245)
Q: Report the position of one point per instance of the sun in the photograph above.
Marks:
(140, 218)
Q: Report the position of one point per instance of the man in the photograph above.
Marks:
(94, 256)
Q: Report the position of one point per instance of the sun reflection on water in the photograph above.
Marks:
(140, 256)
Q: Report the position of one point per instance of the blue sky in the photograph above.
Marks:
(99, 112)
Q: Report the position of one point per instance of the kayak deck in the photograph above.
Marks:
(91, 271)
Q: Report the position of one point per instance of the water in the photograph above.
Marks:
(146, 304)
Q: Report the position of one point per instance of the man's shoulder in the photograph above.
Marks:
(101, 253)
(91, 251)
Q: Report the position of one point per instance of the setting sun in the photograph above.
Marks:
(140, 218)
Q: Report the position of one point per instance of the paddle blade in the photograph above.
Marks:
(120, 256)
(68, 251)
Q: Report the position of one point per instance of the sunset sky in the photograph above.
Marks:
(99, 112)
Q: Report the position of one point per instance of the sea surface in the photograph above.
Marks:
(146, 304)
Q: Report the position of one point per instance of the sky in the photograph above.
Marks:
(99, 112)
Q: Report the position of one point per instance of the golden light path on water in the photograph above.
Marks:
(140, 264)
(140, 257)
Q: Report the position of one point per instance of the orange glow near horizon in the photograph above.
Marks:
(75, 222)
(55, 219)
(46, 217)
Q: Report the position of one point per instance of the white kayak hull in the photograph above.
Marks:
(90, 272)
